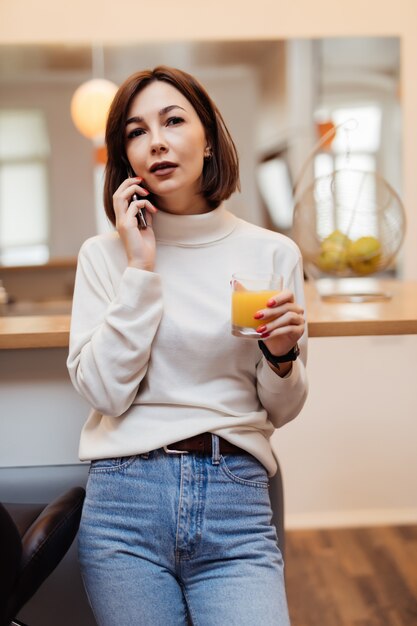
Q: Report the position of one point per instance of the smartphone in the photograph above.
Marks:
(141, 214)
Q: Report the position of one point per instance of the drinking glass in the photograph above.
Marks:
(250, 293)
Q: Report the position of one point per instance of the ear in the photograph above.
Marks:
(208, 153)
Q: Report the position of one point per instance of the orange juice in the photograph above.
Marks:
(246, 303)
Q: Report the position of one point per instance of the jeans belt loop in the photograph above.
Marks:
(215, 449)
(170, 451)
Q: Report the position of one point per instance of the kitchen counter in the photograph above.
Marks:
(395, 316)
(37, 331)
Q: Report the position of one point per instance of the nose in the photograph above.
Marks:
(158, 144)
(158, 148)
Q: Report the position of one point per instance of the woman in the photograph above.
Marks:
(176, 521)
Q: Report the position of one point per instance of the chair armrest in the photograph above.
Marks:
(10, 556)
(46, 542)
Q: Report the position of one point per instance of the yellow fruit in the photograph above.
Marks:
(336, 237)
(364, 255)
(333, 252)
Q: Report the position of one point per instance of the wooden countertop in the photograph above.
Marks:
(396, 316)
(36, 331)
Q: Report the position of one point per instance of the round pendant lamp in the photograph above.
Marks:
(90, 106)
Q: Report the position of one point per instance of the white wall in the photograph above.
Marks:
(41, 413)
(235, 92)
(350, 457)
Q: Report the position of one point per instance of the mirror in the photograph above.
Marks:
(274, 95)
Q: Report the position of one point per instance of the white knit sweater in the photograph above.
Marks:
(152, 352)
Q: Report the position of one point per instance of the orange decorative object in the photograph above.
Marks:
(323, 129)
(100, 155)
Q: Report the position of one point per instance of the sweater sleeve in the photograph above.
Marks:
(283, 398)
(112, 329)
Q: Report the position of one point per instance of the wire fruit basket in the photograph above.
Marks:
(349, 223)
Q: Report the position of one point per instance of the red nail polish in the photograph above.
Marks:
(265, 335)
(271, 303)
(258, 316)
(261, 329)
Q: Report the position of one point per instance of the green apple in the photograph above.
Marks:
(364, 255)
(333, 252)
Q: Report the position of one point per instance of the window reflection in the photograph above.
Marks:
(24, 203)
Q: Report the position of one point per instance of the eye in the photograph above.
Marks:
(136, 132)
(173, 121)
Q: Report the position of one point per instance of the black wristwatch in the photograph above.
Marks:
(284, 358)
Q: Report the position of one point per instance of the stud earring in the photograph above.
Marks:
(208, 153)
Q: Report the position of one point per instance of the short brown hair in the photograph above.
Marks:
(220, 172)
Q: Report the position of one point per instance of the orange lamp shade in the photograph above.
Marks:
(100, 155)
(90, 106)
(323, 129)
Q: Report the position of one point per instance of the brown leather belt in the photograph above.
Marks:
(202, 445)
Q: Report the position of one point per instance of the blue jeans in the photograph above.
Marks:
(165, 538)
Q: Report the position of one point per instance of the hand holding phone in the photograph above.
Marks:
(141, 215)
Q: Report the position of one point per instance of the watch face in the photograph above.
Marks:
(296, 351)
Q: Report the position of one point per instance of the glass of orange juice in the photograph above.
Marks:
(250, 293)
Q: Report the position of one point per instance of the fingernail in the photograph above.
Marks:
(271, 302)
(261, 329)
(258, 315)
(265, 335)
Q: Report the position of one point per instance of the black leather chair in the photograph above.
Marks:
(33, 540)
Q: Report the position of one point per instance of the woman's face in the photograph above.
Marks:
(166, 145)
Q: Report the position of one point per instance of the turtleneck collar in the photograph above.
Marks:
(193, 230)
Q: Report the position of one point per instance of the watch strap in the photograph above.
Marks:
(283, 358)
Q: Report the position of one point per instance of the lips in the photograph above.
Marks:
(160, 166)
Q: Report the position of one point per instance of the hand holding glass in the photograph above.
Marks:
(250, 293)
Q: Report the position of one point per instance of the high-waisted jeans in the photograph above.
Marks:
(165, 538)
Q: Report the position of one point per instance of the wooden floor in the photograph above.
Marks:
(352, 577)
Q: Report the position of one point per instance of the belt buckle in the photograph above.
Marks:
(168, 451)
